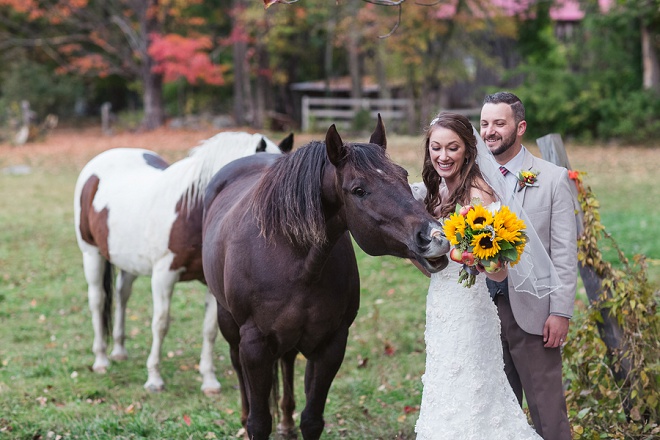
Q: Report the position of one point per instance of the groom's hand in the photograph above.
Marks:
(555, 331)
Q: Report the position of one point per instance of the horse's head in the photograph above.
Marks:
(377, 203)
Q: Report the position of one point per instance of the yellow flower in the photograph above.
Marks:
(508, 220)
(479, 217)
(505, 234)
(454, 226)
(485, 246)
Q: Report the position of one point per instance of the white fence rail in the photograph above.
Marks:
(343, 111)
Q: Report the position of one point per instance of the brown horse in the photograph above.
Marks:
(278, 257)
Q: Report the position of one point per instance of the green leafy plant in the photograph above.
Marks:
(614, 391)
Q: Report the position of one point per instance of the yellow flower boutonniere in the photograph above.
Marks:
(527, 178)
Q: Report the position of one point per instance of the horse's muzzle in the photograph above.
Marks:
(433, 247)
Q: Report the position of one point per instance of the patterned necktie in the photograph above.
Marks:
(504, 171)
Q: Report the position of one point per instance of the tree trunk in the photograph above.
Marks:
(239, 52)
(650, 61)
(154, 114)
(354, 54)
(331, 26)
(262, 85)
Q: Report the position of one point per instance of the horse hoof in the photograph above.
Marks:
(100, 370)
(153, 388)
(287, 432)
(211, 391)
(119, 357)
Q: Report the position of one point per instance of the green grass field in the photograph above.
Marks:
(47, 388)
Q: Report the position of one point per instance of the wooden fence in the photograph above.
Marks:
(344, 111)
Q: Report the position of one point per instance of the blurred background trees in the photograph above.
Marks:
(587, 70)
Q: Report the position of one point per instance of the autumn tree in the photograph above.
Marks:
(133, 39)
(272, 49)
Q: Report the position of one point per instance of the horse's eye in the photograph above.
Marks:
(357, 191)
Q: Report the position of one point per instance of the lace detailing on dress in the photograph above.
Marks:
(466, 394)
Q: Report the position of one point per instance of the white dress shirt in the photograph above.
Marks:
(514, 167)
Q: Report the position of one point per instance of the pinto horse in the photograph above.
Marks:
(278, 257)
(136, 213)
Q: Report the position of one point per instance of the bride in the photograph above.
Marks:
(466, 393)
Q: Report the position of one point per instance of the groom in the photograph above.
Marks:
(533, 329)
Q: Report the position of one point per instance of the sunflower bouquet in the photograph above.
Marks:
(486, 237)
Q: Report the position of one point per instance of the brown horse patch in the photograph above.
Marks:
(93, 224)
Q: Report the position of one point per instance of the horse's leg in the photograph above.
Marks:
(124, 288)
(210, 384)
(94, 268)
(287, 427)
(231, 333)
(257, 364)
(162, 286)
(319, 374)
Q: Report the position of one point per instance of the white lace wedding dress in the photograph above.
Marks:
(466, 394)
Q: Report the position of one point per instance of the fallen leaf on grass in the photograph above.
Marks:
(408, 409)
(186, 419)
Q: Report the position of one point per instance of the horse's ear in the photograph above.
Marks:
(287, 144)
(262, 146)
(378, 136)
(334, 145)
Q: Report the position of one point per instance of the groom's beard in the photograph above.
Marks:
(505, 144)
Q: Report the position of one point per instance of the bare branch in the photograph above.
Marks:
(385, 2)
(133, 39)
(396, 25)
(430, 4)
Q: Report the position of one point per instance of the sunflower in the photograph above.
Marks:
(454, 228)
(479, 217)
(505, 234)
(505, 219)
(485, 245)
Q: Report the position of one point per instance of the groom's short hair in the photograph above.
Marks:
(508, 98)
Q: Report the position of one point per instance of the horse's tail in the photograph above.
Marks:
(275, 393)
(108, 277)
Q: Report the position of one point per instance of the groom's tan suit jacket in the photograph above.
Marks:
(550, 207)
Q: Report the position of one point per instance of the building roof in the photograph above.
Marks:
(562, 10)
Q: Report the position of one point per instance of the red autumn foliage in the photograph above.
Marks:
(177, 56)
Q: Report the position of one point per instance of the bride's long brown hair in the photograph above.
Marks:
(470, 175)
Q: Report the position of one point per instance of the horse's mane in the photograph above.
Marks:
(287, 198)
(212, 154)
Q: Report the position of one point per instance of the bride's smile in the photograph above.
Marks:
(447, 153)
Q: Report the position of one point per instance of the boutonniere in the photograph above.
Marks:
(527, 178)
